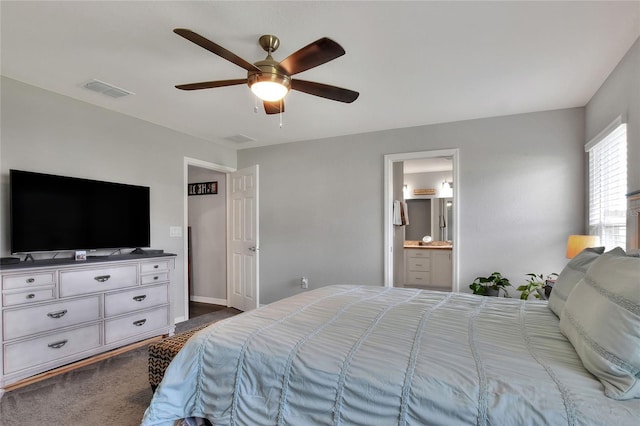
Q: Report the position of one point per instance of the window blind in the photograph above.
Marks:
(608, 186)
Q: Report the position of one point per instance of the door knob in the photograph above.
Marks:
(253, 248)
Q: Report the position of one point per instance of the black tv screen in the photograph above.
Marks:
(50, 212)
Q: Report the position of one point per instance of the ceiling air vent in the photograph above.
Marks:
(106, 89)
(239, 138)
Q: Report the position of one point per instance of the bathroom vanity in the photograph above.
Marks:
(428, 265)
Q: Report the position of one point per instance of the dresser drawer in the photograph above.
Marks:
(28, 280)
(419, 278)
(135, 300)
(38, 294)
(98, 279)
(21, 322)
(417, 253)
(133, 324)
(154, 278)
(418, 264)
(30, 353)
(157, 265)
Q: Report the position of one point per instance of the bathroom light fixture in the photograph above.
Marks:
(447, 189)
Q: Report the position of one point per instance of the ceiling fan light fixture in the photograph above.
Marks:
(269, 91)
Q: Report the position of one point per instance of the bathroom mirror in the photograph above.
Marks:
(430, 216)
(420, 222)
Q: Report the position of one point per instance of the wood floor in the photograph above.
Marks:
(197, 308)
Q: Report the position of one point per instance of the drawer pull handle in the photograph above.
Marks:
(30, 296)
(31, 280)
(155, 278)
(418, 264)
(156, 266)
(102, 278)
(58, 314)
(57, 345)
(140, 298)
(139, 322)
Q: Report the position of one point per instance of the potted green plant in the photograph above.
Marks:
(535, 285)
(491, 285)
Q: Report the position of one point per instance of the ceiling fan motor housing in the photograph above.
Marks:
(269, 71)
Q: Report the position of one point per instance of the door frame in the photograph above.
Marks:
(188, 161)
(389, 159)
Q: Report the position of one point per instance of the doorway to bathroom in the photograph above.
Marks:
(428, 184)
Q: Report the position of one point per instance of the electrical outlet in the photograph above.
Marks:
(175, 231)
(304, 282)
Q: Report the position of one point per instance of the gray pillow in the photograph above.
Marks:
(601, 319)
(569, 277)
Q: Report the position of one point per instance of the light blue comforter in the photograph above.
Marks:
(357, 355)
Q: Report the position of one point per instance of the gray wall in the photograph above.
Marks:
(50, 133)
(620, 95)
(208, 222)
(521, 194)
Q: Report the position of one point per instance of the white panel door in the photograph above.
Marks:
(243, 250)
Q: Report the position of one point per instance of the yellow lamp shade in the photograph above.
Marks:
(577, 243)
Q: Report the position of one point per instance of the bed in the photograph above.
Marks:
(362, 355)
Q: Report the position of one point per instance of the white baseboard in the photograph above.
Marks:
(178, 319)
(211, 300)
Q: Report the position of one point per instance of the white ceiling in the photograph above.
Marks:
(414, 63)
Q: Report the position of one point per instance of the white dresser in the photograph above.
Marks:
(54, 313)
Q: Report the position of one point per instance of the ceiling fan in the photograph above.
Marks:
(271, 80)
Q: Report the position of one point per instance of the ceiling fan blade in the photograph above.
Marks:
(211, 84)
(215, 48)
(317, 53)
(325, 91)
(273, 107)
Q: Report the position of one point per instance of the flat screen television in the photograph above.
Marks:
(54, 213)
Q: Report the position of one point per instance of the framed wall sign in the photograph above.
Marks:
(424, 192)
(202, 188)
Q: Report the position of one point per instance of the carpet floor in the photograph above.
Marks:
(114, 391)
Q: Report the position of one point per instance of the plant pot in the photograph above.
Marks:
(491, 292)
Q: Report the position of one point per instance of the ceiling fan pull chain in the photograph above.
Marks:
(281, 113)
(255, 108)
